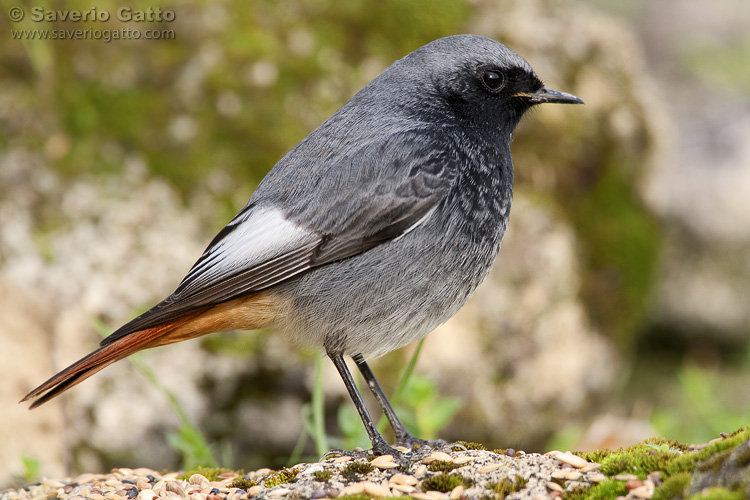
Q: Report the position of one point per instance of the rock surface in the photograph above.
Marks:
(655, 468)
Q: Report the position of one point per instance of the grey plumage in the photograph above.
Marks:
(425, 135)
(374, 229)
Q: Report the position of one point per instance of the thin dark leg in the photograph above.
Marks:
(379, 445)
(402, 435)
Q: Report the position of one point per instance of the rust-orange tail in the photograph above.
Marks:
(250, 313)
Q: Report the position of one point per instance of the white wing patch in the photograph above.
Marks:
(261, 240)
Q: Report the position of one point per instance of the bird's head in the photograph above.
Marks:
(474, 80)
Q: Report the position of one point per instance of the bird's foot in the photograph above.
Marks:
(402, 459)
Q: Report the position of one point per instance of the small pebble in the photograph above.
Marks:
(655, 477)
(510, 452)
(174, 487)
(198, 479)
(341, 460)
(624, 477)
(457, 492)
(569, 458)
(573, 475)
(384, 462)
(590, 467)
(352, 489)
(486, 469)
(376, 490)
(553, 486)
(632, 484)
(254, 490)
(85, 478)
(442, 456)
(403, 479)
(160, 487)
(641, 492)
(597, 477)
(462, 460)
(146, 495)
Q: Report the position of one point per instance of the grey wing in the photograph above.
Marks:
(263, 245)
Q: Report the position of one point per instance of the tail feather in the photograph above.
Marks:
(64, 380)
(108, 354)
(250, 312)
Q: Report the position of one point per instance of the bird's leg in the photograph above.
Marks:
(403, 437)
(379, 446)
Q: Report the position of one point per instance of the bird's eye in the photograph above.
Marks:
(492, 79)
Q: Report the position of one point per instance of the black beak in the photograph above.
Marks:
(548, 95)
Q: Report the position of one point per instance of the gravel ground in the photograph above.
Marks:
(471, 474)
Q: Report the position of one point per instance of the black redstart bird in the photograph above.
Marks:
(368, 234)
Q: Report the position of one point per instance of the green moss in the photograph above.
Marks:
(688, 461)
(665, 444)
(506, 487)
(210, 473)
(636, 461)
(470, 445)
(445, 482)
(594, 456)
(654, 454)
(717, 493)
(354, 469)
(672, 487)
(281, 477)
(580, 493)
(607, 490)
(672, 458)
(442, 466)
(242, 483)
(358, 468)
(322, 476)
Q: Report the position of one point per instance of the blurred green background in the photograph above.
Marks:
(649, 179)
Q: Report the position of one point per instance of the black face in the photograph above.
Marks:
(508, 83)
(493, 96)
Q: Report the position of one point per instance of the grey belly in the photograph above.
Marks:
(391, 295)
